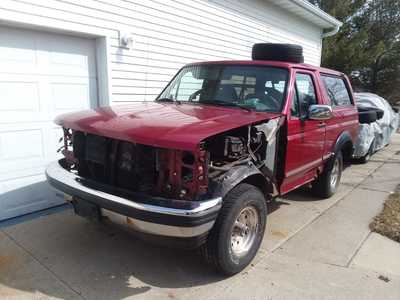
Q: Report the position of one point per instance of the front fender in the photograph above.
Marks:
(237, 175)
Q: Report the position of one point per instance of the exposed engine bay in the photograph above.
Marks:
(235, 147)
(175, 174)
(253, 146)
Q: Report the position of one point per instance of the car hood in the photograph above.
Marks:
(165, 125)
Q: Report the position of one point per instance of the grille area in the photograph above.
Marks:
(118, 163)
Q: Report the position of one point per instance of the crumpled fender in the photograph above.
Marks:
(236, 175)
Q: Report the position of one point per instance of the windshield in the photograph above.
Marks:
(252, 87)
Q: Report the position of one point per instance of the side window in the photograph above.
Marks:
(305, 92)
(336, 90)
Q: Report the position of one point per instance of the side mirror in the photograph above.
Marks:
(320, 112)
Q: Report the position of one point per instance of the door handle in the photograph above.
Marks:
(321, 124)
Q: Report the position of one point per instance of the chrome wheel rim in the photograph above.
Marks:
(335, 173)
(244, 231)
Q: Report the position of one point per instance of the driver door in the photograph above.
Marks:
(305, 138)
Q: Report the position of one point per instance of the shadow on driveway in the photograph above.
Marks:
(100, 261)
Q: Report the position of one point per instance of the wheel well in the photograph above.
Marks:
(347, 150)
(261, 182)
(344, 143)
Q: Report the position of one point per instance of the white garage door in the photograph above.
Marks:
(41, 75)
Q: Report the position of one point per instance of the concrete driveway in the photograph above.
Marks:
(313, 249)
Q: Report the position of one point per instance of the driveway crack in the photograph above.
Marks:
(358, 249)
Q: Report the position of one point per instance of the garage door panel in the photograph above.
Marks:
(25, 98)
(70, 96)
(19, 96)
(42, 75)
(21, 168)
(17, 50)
(35, 52)
(9, 56)
(21, 144)
(75, 58)
(28, 152)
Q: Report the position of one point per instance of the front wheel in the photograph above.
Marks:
(238, 231)
(328, 182)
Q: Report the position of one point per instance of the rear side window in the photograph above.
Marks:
(336, 90)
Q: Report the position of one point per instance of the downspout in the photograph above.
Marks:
(331, 32)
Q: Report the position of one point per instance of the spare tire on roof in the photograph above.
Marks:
(279, 52)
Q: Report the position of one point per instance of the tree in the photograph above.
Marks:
(368, 42)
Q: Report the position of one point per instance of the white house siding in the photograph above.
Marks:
(170, 33)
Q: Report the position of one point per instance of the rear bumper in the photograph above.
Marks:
(168, 220)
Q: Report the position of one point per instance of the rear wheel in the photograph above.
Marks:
(238, 231)
(327, 183)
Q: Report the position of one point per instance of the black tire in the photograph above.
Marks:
(367, 117)
(322, 186)
(279, 52)
(218, 249)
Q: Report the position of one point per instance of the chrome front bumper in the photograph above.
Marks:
(168, 220)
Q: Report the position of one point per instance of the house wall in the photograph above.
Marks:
(168, 34)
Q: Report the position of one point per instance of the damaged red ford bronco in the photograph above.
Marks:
(200, 164)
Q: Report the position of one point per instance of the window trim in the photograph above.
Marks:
(295, 94)
(316, 91)
(346, 84)
(284, 96)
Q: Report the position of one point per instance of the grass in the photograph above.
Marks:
(387, 222)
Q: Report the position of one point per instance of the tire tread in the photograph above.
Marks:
(209, 250)
(321, 186)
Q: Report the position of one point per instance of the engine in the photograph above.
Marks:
(236, 147)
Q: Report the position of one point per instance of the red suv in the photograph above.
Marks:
(199, 165)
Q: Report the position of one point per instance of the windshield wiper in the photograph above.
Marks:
(169, 100)
(166, 100)
(226, 103)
